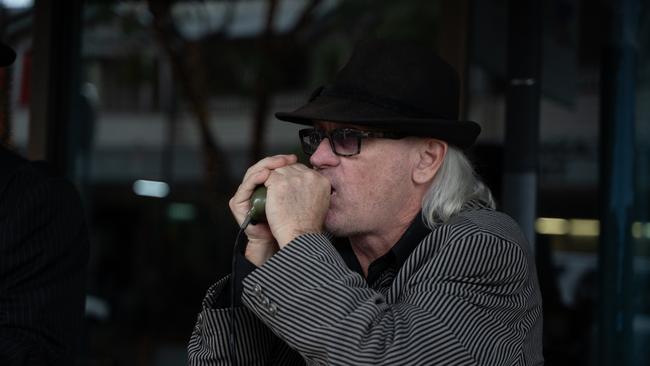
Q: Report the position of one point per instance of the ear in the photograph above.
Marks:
(430, 155)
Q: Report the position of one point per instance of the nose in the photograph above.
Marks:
(324, 156)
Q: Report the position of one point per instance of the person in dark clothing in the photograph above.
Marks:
(388, 250)
(43, 259)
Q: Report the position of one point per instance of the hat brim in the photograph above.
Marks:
(7, 55)
(459, 133)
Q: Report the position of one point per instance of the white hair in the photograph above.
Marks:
(455, 183)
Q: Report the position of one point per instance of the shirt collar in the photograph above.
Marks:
(410, 240)
(397, 254)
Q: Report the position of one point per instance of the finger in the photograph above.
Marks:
(256, 175)
(300, 167)
(273, 175)
(271, 162)
(292, 169)
(248, 185)
(263, 169)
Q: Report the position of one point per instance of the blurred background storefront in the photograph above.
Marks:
(156, 108)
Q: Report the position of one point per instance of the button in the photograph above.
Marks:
(257, 289)
(266, 302)
(273, 309)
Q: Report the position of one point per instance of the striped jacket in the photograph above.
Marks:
(467, 295)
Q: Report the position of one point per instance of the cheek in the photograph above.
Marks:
(370, 184)
(354, 190)
(371, 187)
(392, 184)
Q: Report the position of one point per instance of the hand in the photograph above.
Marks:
(297, 201)
(261, 243)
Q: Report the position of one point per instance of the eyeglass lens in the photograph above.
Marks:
(344, 142)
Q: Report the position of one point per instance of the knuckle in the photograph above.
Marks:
(261, 173)
(250, 170)
(271, 179)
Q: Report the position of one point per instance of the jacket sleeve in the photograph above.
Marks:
(466, 305)
(256, 344)
(43, 258)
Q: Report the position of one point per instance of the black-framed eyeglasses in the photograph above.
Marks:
(344, 141)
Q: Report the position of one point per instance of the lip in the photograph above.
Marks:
(332, 185)
(333, 199)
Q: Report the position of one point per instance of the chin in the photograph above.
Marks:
(338, 225)
(331, 224)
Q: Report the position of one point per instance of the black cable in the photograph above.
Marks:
(233, 276)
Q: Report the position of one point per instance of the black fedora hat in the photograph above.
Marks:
(7, 55)
(393, 86)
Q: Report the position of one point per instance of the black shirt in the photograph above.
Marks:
(381, 271)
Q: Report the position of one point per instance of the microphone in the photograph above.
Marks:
(257, 212)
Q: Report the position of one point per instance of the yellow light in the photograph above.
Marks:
(641, 230)
(637, 228)
(552, 226)
(583, 227)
